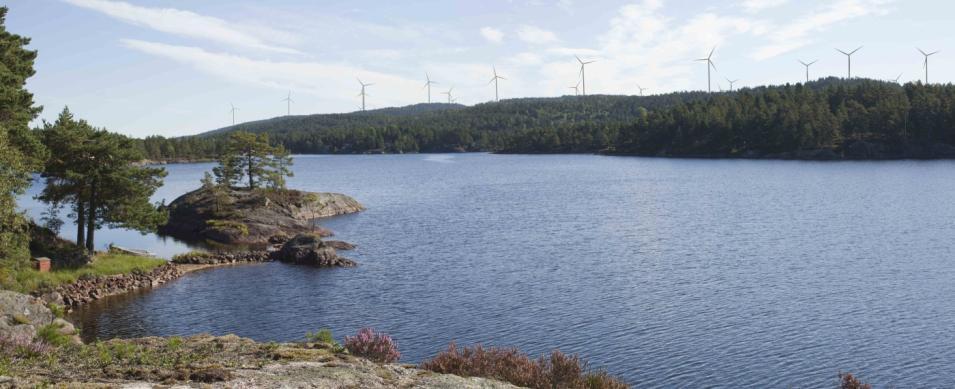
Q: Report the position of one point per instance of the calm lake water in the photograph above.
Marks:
(667, 272)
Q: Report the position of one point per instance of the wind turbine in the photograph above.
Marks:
(449, 94)
(925, 64)
(641, 89)
(849, 57)
(583, 77)
(807, 65)
(233, 112)
(709, 65)
(428, 84)
(494, 80)
(289, 101)
(576, 88)
(363, 94)
(897, 78)
(731, 83)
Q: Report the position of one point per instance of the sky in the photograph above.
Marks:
(175, 67)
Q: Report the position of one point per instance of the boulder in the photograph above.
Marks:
(21, 315)
(308, 249)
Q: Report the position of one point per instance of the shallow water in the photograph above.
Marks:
(669, 273)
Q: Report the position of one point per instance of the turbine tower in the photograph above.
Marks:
(494, 80)
(428, 84)
(709, 65)
(289, 102)
(583, 77)
(576, 88)
(731, 83)
(641, 89)
(807, 65)
(449, 94)
(849, 58)
(925, 64)
(233, 112)
(363, 94)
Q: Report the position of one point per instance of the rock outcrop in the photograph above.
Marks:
(252, 217)
(22, 315)
(308, 249)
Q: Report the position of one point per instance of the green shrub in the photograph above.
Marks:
(324, 336)
(228, 225)
(50, 334)
(57, 310)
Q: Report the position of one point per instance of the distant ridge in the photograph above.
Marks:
(408, 110)
(830, 118)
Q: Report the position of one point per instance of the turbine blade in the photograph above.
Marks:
(578, 59)
(711, 53)
(921, 51)
(857, 49)
(934, 52)
(843, 52)
(803, 63)
(813, 62)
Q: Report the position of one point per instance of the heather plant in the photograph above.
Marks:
(558, 370)
(848, 381)
(375, 346)
(22, 346)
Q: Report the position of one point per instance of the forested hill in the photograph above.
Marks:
(828, 118)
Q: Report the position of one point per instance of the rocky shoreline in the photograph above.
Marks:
(86, 290)
(303, 249)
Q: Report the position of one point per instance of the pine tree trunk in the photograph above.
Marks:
(80, 221)
(251, 183)
(91, 219)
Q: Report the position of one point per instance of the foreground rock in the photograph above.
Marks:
(252, 217)
(221, 362)
(23, 316)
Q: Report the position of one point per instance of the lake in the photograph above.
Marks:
(666, 272)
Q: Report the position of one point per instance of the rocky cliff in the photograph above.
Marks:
(252, 217)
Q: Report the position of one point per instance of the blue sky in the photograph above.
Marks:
(172, 67)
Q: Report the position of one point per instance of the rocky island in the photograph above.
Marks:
(252, 217)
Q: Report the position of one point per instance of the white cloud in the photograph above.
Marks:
(193, 25)
(760, 5)
(794, 35)
(492, 35)
(536, 35)
(326, 80)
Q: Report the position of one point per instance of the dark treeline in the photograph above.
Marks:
(830, 114)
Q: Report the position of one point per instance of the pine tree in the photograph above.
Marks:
(95, 171)
(20, 152)
(250, 157)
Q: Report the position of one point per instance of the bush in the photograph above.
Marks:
(324, 336)
(22, 346)
(51, 335)
(509, 364)
(372, 345)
